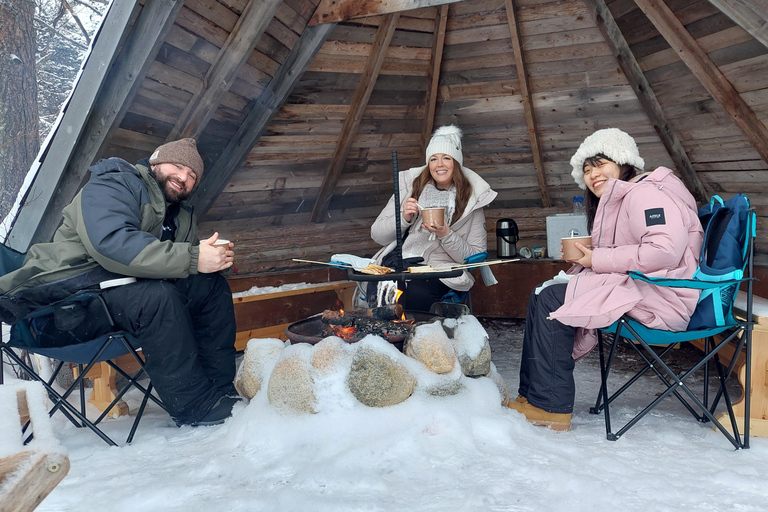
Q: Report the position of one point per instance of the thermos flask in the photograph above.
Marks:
(506, 238)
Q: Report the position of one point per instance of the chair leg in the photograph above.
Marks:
(139, 414)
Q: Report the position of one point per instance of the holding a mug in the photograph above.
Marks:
(638, 221)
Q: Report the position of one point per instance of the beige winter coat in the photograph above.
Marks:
(468, 234)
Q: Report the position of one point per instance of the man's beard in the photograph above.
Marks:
(171, 195)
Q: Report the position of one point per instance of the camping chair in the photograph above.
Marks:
(713, 318)
(25, 334)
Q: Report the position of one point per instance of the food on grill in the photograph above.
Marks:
(419, 269)
(376, 270)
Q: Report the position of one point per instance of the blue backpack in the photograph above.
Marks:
(727, 227)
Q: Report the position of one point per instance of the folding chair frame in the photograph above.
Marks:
(741, 331)
(60, 402)
(676, 384)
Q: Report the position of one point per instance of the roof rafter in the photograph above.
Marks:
(647, 98)
(707, 73)
(525, 92)
(329, 11)
(751, 16)
(438, 42)
(239, 45)
(262, 113)
(356, 109)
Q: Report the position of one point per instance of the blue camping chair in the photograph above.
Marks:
(719, 278)
(26, 334)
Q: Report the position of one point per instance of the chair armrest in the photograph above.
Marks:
(683, 283)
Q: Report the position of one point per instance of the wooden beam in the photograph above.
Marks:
(751, 16)
(262, 113)
(707, 73)
(332, 11)
(525, 92)
(438, 42)
(55, 182)
(356, 108)
(239, 45)
(647, 98)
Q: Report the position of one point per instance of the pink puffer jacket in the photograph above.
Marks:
(650, 226)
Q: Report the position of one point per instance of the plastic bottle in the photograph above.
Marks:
(578, 206)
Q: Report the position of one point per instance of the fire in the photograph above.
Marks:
(344, 332)
(398, 293)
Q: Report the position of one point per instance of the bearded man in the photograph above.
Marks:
(131, 221)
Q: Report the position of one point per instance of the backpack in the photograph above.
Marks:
(727, 229)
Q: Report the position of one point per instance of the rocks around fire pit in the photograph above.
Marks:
(303, 378)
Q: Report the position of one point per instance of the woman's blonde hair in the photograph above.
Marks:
(460, 182)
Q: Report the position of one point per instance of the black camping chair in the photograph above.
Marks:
(26, 334)
(652, 345)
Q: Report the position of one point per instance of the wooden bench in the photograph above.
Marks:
(288, 311)
(27, 473)
(758, 412)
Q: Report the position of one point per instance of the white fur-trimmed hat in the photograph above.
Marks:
(446, 140)
(617, 145)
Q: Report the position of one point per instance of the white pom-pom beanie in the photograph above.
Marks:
(446, 140)
(617, 145)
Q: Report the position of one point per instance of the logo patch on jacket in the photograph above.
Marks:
(654, 217)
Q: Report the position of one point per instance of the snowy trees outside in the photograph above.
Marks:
(42, 45)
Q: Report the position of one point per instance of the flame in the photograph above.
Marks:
(344, 332)
(398, 293)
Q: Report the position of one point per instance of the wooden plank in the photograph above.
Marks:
(357, 108)
(332, 11)
(55, 184)
(707, 73)
(260, 116)
(648, 100)
(336, 287)
(247, 31)
(434, 75)
(525, 93)
(750, 15)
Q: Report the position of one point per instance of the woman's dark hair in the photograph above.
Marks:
(460, 181)
(626, 173)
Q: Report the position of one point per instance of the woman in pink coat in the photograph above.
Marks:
(645, 222)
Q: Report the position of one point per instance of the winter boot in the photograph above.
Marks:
(220, 412)
(540, 417)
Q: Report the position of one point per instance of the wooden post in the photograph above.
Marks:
(331, 11)
(707, 73)
(525, 92)
(438, 42)
(647, 98)
(354, 116)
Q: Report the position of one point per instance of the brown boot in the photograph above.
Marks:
(540, 417)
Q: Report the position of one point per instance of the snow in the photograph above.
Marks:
(261, 290)
(456, 453)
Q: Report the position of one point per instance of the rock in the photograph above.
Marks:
(429, 344)
(449, 310)
(470, 341)
(376, 380)
(290, 385)
(331, 355)
(500, 383)
(445, 387)
(258, 361)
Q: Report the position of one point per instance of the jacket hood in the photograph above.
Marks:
(114, 164)
(662, 177)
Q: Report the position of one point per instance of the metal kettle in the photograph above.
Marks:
(506, 238)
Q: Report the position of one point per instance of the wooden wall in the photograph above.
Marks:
(576, 83)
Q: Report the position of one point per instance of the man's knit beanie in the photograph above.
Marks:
(617, 145)
(446, 140)
(183, 151)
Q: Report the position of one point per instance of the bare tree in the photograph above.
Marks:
(19, 140)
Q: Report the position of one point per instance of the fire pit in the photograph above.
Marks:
(311, 330)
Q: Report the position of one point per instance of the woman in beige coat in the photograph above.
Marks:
(442, 183)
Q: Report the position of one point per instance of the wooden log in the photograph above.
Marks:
(329, 11)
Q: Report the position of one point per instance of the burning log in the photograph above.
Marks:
(389, 312)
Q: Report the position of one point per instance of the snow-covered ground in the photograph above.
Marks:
(456, 453)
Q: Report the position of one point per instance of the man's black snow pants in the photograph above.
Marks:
(186, 329)
(546, 369)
